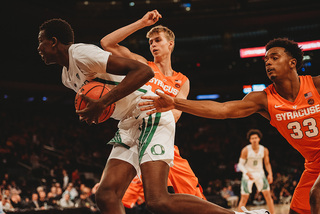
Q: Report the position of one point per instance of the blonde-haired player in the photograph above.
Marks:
(170, 82)
(251, 165)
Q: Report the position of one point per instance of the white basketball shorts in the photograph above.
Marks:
(260, 181)
(147, 139)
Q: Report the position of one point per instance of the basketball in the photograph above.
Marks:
(94, 90)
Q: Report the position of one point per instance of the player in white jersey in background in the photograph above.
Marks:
(251, 165)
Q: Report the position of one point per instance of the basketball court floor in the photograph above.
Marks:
(279, 208)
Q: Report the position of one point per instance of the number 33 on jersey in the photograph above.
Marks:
(298, 121)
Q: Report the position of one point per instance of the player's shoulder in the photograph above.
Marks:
(245, 149)
(316, 81)
(85, 49)
(258, 97)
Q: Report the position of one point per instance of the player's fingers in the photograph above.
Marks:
(158, 14)
(152, 112)
(145, 108)
(85, 98)
(160, 94)
(81, 112)
(149, 98)
(146, 103)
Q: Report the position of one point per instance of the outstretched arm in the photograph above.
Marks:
(110, 41)
(255, 102)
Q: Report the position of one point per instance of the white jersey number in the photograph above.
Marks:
(296, 128)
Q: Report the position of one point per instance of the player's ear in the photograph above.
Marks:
(293, 62)
(54, 41)
(171, 44)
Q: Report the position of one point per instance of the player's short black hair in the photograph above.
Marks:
(254, 131)
(60, 29)
(291, 48)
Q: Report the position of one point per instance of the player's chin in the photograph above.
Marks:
(272, 77)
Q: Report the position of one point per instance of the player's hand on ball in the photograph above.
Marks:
(160, 103)
(93, 110)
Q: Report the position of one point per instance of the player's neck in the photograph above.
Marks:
(255, 146)
(63, 56)
(288, 88)
(164, 65)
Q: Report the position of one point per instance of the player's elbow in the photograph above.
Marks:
(107, 46)
(148, 72)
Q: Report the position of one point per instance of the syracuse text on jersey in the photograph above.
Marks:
(165, 88)
(298, 113)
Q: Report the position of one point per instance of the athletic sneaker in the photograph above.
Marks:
(262, 211)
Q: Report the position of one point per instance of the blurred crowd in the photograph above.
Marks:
(50, 160)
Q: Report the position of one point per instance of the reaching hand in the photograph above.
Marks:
(270, 179)
(250, 176)
(159, 103)
(151, 17)
(92, 111)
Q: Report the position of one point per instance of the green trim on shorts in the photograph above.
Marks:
(265, 183)
(147, 134)
(244, 184)
(117, 139)
(109, 82)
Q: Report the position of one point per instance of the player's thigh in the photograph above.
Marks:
(117, 176)
(154, 178)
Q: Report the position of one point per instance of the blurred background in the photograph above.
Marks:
(41, 139)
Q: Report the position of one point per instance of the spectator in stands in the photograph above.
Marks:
(34, 203)
(85, 201)
(1, 207)
(43, 203)
(65, 179)
(71, 190)
(285, 195)
(15, 201)
(228, 194)
(51, 200)
(65, 201)
(258, 199)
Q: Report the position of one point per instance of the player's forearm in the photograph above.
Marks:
(269, 169)
(207, 109)
(112, 39)
(133, 81)
(241, 166)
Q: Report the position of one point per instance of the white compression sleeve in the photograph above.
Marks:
(241, 166)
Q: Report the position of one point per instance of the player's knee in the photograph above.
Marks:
(105, 197)
(158, 204)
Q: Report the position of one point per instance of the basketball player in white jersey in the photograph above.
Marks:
(146, 142)
(251, 165)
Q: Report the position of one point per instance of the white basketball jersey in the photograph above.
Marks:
(89, 62)
(255, 160)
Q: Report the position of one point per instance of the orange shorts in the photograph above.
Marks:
(300, 200)
(182, 178)
(134, 194)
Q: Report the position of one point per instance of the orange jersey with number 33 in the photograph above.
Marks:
(298, 121)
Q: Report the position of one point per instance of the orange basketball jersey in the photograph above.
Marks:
(298, 121)
(170, 85)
